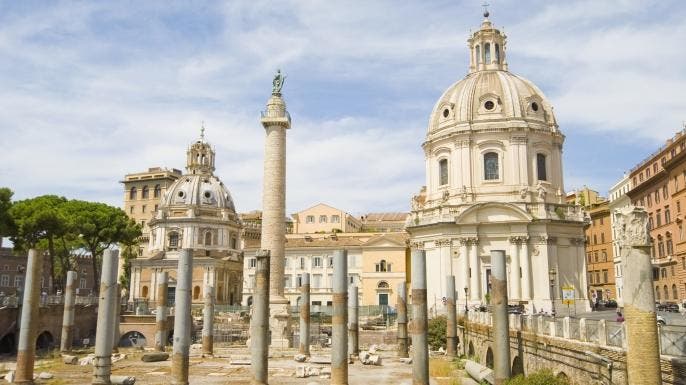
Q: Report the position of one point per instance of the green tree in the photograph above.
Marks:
(437, 332)
(99, 227)
(38, 222)
(6, 222)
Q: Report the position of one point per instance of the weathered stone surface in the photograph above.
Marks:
(155, 357)
(407, 360)
(45, 375)
(122, 380)
(70, 360)
(321, 360)
(478, 372)
(300, 358)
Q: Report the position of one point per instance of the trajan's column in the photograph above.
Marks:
(276, 121)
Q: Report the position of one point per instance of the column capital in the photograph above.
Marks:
(418, 245)
(442, 242)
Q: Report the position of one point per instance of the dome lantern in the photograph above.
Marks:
(200, 156)
(487, 48)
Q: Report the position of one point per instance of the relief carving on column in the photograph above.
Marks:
(631, 227)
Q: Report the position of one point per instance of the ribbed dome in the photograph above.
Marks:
(490, 96)
(201, 190)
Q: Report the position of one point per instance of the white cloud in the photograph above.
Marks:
(93, 91)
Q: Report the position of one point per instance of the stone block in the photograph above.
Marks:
(300, 371)
(406, 360)
(122, 380)
(70, 360)
(300, 358)
(154, 357)
(321, 360)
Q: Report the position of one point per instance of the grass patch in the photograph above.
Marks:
(445, 372)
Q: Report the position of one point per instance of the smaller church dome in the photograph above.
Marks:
(200, 190)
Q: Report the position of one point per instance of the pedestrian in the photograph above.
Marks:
(620, 317)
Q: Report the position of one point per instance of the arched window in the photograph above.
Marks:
(666, 292)
(382, 266)
(133, 193)
(487, 53)
(382, 285)
(443, 172)
(675, 295)
(144, 292)
(478, 54)
(491, 171)
(196, 292)
(497, 53)
(144, 192)
(208, 238)
(173, 240)
(540, 167)
(158, 191)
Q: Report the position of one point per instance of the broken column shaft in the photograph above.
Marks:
(68, 316)
(339, 338)
(26, 349)
(161, 316)
(259, 322)
(401, 304)
(642, 339)
(305, 314)
(116, 335)
(353, 322)
(104, 335)
(451, 326)
(501, 329)
(419, 323)
(182, 319)
(208, 322)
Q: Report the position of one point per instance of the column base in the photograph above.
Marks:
(279, 325)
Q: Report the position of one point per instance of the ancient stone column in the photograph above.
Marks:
(339, 338)
(419, 323)
(642, 350)
(26, 349)
(161, 316)
(182, 319)
(305, 314)
(401, 304)
(104, 335)
(451, 327)
(116, 335)
(259, 322)
(68, 316)
(353, 321)
(501, 329)
(208, 322)
(276, 121)
(475, 279)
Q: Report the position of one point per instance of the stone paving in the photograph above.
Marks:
(219, 370)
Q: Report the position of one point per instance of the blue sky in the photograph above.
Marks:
(90, 91)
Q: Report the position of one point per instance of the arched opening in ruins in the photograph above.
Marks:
(489, 358)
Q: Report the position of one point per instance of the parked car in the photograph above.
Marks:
(669, 307)
(610, 304)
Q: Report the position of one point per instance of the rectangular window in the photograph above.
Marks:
(286, 281)
(309, 219)
(658, 218)
(252, 262)
(322, 218)
(605, 276)
(647, 173)
(601, 221)
(678, 206)
(595, 257)
(602, 237)
(640, 177)
(316, 262)
(540, 167)
(668, 217)
(302, 262)
(649, 200)
(657, 197)
(131, 210)
(665, 192)
(5, 280)
(330, 264)
(597, 276)
(18, 281)
(82, 283)
(143, 208)
(670, 247)
(590, 278)
(335, 219)
(316, 281)
(443, 172)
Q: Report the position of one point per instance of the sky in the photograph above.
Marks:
(91, 91)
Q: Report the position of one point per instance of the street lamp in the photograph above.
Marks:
(466, 309)
(551, 274)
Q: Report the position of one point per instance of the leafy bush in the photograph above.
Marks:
(437, 330)
(543, 377)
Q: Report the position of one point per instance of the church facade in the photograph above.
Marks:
(493, 153)
(195, 212)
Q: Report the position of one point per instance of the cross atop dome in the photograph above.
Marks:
(485, 5)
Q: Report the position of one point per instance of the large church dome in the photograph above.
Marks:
(490, 93)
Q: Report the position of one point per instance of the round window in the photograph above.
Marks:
(489, 105)
(534, 106)
(446, 112)
(207, 194)
(181, 194)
